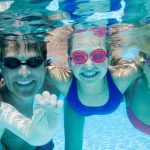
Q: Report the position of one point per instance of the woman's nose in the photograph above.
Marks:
(24, 70)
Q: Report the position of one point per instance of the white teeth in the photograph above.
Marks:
(90, 73)
(24, 82)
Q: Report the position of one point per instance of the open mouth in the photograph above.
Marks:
(25, 87)
(24, 83)
(89, 74)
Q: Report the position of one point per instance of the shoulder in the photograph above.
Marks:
(61, 85)
(124, 82)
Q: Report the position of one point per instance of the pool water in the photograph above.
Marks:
(108, 132)
(102, 132)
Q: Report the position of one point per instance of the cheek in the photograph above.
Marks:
(75, 69)
(8, 80)
(104, 65)
(8, 74)
(42, 71)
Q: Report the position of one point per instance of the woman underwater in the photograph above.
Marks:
(23, 66)
(138, 94)
(91, 90)
(88, 75)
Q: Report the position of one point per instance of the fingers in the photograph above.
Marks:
(59, 103)
(39, 99)
(47, 100)
(46, 111)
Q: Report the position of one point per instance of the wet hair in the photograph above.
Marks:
(12, 42)
(126, 35)
(119, 38)
(141, 37)
(122, 37)
(98, 32)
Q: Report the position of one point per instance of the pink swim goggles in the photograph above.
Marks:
(80, 57)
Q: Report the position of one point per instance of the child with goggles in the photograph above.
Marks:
(91, 90)
(137, 102)
(27, 119)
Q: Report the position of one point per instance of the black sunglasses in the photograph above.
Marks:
(33, 62)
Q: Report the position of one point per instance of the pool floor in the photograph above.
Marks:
(108, 132)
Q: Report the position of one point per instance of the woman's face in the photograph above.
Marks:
(146, 69)
(89, 72)
(23, 80)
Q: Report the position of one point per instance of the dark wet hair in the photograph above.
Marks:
(9, 41)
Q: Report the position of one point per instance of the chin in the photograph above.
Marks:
(91, 83)
(25, 94)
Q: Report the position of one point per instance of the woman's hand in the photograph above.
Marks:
(43, 125)
(46, 112)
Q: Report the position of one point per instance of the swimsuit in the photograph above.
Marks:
(115, 98)
(48, 146)
(133, 119)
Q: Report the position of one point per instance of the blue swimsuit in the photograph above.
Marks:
(48, 146)
(115, 98)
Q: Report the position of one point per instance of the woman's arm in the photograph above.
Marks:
(38, 130)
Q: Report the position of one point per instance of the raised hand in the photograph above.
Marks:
(46, 112)
(38, 130)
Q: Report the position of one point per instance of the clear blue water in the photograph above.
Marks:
(81, 13)
(108, 132)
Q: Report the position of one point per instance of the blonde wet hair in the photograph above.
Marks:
(121, 38)
(141, 37)
(57, 48)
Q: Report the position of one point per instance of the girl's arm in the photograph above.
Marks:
(125, 81)
(74, 128)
